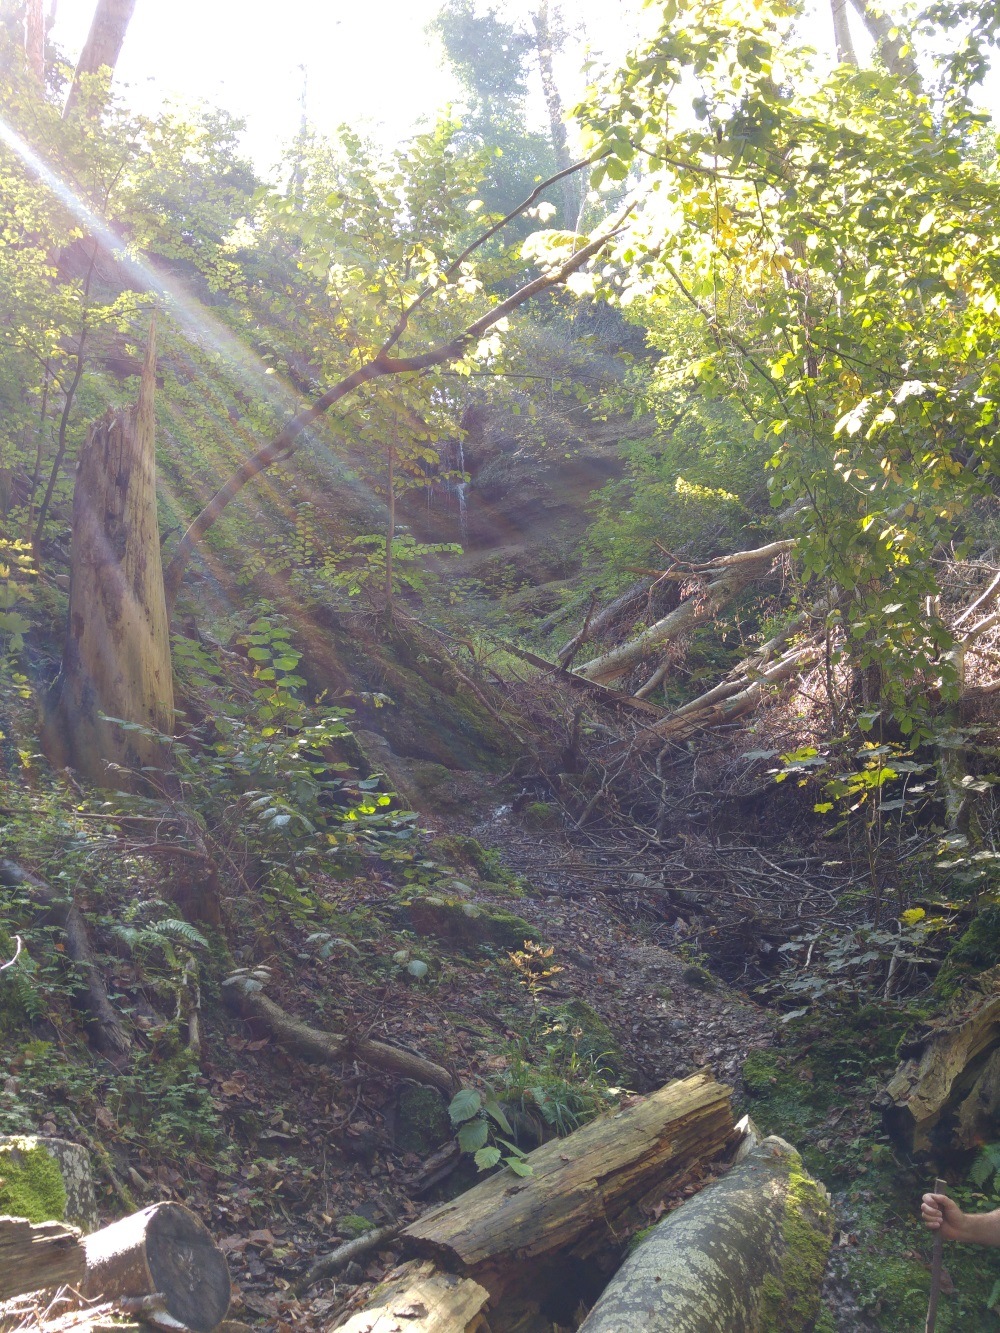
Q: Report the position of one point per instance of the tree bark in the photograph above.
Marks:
(889, 48)
(103, 1022)
(103, 45)
(745, 1255)
(329, 1047)
(842, 33)
(116, 660)
(582, 1188)
(728, 576)
(34, 39)
(164, 1249)
(36, 1256)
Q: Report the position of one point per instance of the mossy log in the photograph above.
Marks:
(163, 1251)
(46, 1179)
(422, 1300)
(34, 1256)
(947, 1094)
(745, 1255)
(578, 1198)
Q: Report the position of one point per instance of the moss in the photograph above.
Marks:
(468, 923)
(422, 1122)
(352, 1225)
(31, 1184)
(976, 950)
(579, 1027)
(541, 815)
(791, 1300)
(760, 1072)
(697, 976)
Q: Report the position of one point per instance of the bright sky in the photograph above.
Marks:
(371, 64)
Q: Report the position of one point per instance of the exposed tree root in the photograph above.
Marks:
(104, 1025)
(329, 1047)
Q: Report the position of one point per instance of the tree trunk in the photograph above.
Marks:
(33, 1257)
(165, 1249)
(583, 1189)
(116, 660)
(842, 33)
(34, 39)
(103, 45)
(745, 1255)
(889, 47)
(571, 190)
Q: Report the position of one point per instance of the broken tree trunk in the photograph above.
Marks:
(116, 659)
(104, 1024)
(34, 1256)
(167, 1251)
(728, 576)
(582, 1190)
(422, 1300)
(745, 1254)
(946, 1095)
(329, 1047)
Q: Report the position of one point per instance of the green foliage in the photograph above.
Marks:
(31, 1184)
(477, 1121)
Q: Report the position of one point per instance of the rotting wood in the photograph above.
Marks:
(421, 1300)
(38, 1255)
(166, 1250)
(946, 1095)
(104, 1024)
(747, 1253)
(329, 1047)
(580, 1189)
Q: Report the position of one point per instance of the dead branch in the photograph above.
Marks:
(330, 1047)
(345, 1254)
(104, 1026)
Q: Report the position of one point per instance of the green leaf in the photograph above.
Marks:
(519, 1166)
(464, 1105)
(473, 1135)
(495, 1112)
(487, 1157)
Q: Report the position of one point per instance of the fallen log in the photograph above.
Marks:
(728, 576)
(744, 1255)
(421, 1300)
(103, 1023)
(946, 1095)
(583, 1190)
(38, 1255)
(330, 1047)
(164, 1251)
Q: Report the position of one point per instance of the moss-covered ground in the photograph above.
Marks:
(817, 1088)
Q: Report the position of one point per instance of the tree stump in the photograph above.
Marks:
(744, 1255)
(116, 659)
(164, 1249)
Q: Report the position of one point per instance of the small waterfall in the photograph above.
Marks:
(461, 490)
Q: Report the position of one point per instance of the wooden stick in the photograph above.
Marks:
(936, 1263)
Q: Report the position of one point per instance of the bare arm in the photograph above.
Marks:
(943, 1214)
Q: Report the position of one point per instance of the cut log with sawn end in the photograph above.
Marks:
(164, 1250)
(745, 1255)
(580, 1198)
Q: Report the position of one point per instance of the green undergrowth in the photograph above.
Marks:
(816, 1089)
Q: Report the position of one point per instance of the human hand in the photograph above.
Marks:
(943, 1215)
